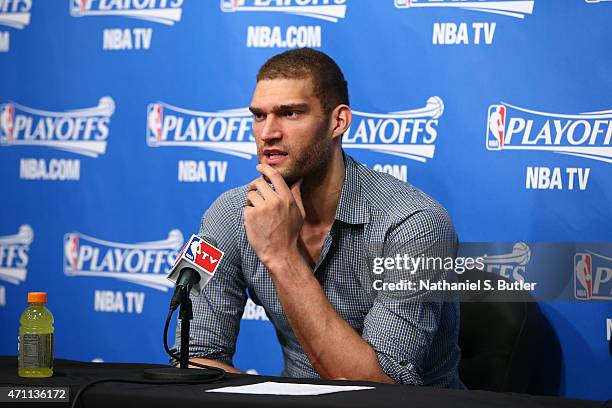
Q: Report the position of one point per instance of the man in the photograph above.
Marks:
(301, 239)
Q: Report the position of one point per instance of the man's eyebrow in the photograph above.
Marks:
(282, 108)
(291, 107)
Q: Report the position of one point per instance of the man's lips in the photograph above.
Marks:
(274, 156)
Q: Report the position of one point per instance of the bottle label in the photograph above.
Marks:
(36, 350)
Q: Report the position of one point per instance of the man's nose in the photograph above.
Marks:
(271, 128)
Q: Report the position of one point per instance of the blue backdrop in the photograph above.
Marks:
(122, 120)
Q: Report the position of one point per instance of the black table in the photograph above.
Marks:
(75, 374)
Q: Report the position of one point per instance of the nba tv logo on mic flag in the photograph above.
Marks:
(199, 255)
(203, 254)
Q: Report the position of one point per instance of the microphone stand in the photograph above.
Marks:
(183, 373)
(186, 315)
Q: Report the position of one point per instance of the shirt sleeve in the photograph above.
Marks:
(401, 325)
(218, 309)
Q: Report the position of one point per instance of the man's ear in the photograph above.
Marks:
(341, 120)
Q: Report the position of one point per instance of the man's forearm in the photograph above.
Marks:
(331, 344)
(215, 363)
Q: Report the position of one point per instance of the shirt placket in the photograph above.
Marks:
(329, 239)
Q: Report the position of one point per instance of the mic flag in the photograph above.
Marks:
(201, 256)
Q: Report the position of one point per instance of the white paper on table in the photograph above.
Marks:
(275, 388)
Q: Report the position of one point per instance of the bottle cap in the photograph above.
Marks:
(37, 297)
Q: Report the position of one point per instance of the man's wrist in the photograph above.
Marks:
(285, 263)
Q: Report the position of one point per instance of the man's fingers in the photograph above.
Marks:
(254, 199)
(275, 178)
(262, 187)
(246, 212)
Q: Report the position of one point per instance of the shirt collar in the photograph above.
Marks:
(352, 206)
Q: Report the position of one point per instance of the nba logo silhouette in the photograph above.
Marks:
(403, 3)
(71, 251)
(7, 120)
(79, 7)
(192, 248)
(231, 5)
(496, 125)
(583, 276)
(155, 117)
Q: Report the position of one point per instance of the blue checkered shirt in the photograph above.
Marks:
(414, 336)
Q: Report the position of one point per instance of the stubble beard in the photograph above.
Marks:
(313, 162)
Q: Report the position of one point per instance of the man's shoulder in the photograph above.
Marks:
(226, 209)
(233, 198)
(395, 198)
(222, 221)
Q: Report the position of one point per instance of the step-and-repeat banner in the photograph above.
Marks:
(122, 120)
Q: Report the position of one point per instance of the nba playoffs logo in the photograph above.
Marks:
(592, 276)
(225, 131)
(165, 12)
(14, 255)
(15, 13)
(587, 135)
(410, 133)
(511, 8)
(328, 10)
(82, 131)
(142, 263)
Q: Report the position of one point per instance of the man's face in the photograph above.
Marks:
(292, 133)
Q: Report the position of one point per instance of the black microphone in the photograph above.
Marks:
(193, 268)
(187, 278)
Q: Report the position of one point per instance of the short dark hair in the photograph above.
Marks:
(329, 84)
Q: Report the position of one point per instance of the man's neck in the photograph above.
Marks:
(321, 193)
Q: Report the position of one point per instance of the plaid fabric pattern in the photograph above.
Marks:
(414, 336)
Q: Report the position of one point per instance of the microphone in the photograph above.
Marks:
(195, 265)
(192, 269)
(187, 278)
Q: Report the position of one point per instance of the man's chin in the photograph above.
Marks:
(289, 176)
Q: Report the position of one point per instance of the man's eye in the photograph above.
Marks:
(258, 117)
(291, 114)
